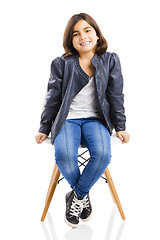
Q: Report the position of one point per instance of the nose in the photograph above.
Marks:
(82, 36)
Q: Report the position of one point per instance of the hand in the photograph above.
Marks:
(123, 136)
(40, 137)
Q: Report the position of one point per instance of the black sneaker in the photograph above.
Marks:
(74, 207)
(87, 209)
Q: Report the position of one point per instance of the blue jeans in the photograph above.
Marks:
(95, 136)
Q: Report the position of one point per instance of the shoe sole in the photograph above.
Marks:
(70, 224)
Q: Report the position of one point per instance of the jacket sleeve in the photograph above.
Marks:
(115, 94)
(53, 98)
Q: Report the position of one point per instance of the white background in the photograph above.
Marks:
(31, 37)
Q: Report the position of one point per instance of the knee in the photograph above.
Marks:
(65, 160)
(63, 157)
(103, 154)
(60, 155)
(68, 167)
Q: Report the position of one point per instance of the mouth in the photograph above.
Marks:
(84, 43)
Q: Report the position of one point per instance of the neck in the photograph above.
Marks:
(86, 56)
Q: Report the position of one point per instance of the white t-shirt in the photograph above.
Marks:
(84, 103)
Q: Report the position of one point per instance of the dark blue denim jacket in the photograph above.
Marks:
(68, 78)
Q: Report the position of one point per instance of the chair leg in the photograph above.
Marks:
(114, 192)
(51, 189)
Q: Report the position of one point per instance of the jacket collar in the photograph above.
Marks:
(94, 59)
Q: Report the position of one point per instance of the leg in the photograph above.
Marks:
(114, 192)
(96, 138)
(55, 174)
(66, 146)
(66, 150)
(52, 186)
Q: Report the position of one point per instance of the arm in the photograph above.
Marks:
(115, 98)
(52, 101)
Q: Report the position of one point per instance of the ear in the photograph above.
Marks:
(97, 40)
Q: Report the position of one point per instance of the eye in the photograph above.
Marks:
(75, 34)
(88, 30)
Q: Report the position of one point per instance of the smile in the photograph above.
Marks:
(84, 43)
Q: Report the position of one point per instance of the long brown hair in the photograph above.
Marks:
(68, 35)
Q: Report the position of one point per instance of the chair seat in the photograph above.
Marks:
(114, 140)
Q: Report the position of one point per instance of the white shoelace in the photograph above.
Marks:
(76, 207)
(85, 202)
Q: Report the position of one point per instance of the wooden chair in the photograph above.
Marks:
(56, 174)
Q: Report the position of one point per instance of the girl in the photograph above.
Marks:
(83, 104)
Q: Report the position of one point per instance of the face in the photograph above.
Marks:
(84, 37)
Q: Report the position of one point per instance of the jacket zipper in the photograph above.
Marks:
(101, 81)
